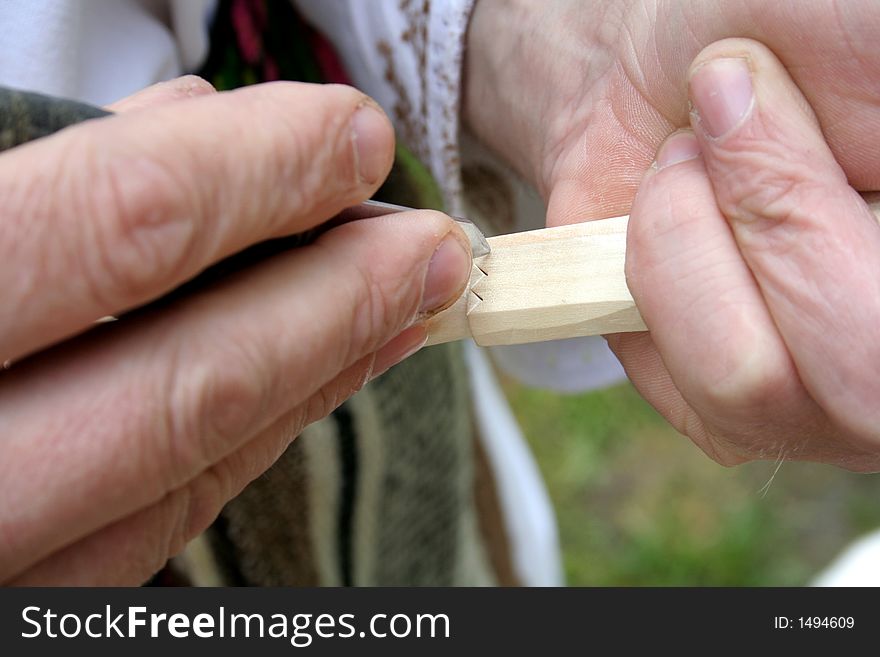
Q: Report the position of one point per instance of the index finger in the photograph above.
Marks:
(111, 214)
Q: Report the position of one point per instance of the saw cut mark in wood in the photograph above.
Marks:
(452, 323)
(477, 278)
(545, 284)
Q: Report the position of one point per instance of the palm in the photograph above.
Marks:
(603, 126)
(592, 94)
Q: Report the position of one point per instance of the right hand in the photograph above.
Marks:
(577, 96)
(119, 444)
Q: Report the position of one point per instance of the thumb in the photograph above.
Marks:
(809, 239)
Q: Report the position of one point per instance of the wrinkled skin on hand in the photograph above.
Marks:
(120, 443)
(775, 357)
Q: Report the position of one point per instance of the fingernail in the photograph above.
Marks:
(403, 346)
(721, 91)
(372, 136)
(448, 271)
(680, 147)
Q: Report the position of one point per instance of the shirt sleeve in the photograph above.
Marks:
(407, 54)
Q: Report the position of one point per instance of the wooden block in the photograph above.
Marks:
(550, 284)
(545, 284)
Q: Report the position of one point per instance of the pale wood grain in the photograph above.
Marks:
(543, 285)
(550, 284)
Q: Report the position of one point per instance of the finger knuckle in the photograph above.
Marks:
(317, 159)
(370, 314)
(764, 187)
(140, 223)
(216, 396)
(747, 388)
(375, 311)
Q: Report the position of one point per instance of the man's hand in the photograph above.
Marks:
(578, 96)
(756, 266)
(763, 337)
(119, 444)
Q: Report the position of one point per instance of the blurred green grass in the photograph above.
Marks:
(638, 504)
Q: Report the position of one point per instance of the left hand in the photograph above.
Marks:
(589, 97)
(590, 90)
(757, 268)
